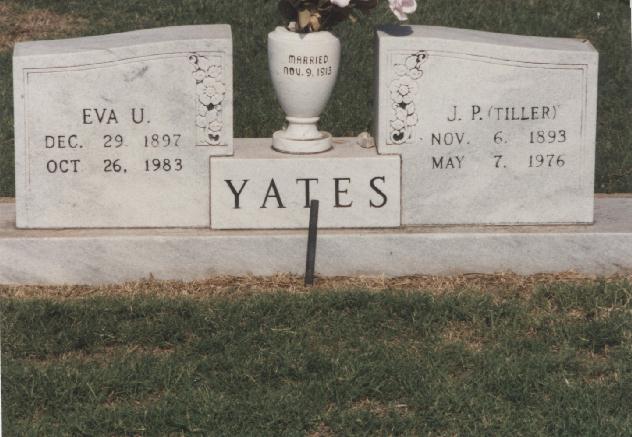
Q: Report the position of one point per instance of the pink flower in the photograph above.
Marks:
(402, 7)
(340, 3)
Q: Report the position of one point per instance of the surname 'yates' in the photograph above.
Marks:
(271, 196)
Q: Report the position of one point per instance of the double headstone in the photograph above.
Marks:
(135, 130)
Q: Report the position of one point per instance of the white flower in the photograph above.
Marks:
(340, 3)
(411, 62)
(400, 69)
(403, 90)
(401, 114)
(215, 126)
(215, 71)
(402, 7)
(204, 99)
(212, 87)
(397, 124)
(213, 115)
(213, 90)
(203, 63)
(201, 121)
(397, 98)
(199, 75)
(412, 120)
(415, 74)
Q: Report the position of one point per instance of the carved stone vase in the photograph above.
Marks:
(304, 68)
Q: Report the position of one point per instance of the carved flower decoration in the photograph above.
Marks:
(403, 90)
(398, 136)
(199, 75)
(215, 126)
(214, 114)
(214, 90)
(398, 124)
(200, 121)
(400, 111)
(214, 71)
(406, 114)
(414, 65)
(213, 131)
(416, 61)
(210, 92)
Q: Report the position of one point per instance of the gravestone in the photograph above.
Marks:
(491, 128)
(135, 130)
(117, 130)
(260, 188)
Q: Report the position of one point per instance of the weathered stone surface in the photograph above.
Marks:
(259, 188)
(108, 256)
(116, 130)
(492, 128)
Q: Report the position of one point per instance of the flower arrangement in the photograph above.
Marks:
(306, 16)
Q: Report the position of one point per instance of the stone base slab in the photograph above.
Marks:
(117, 255)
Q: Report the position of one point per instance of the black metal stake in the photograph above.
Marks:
(311, 243)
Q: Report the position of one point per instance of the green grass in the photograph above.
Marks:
(349, 113)
(557, 361)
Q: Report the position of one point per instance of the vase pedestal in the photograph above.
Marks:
(284, 144)
(301, 137)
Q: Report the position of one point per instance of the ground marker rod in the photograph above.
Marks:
(311, 243)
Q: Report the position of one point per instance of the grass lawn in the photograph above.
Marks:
(605, 22)
(505, 356)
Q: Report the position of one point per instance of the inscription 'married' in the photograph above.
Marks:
(308, 66)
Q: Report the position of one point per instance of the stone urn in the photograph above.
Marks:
(304, 68)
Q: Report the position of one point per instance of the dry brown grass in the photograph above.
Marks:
(103, 356)
(497, 285)
(21, 24)
(597, 368)
(462, 332)
(379, 409)
(322, 430)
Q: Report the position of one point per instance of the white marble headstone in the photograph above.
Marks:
(117, 130)
(260, 188)
(491, 128)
